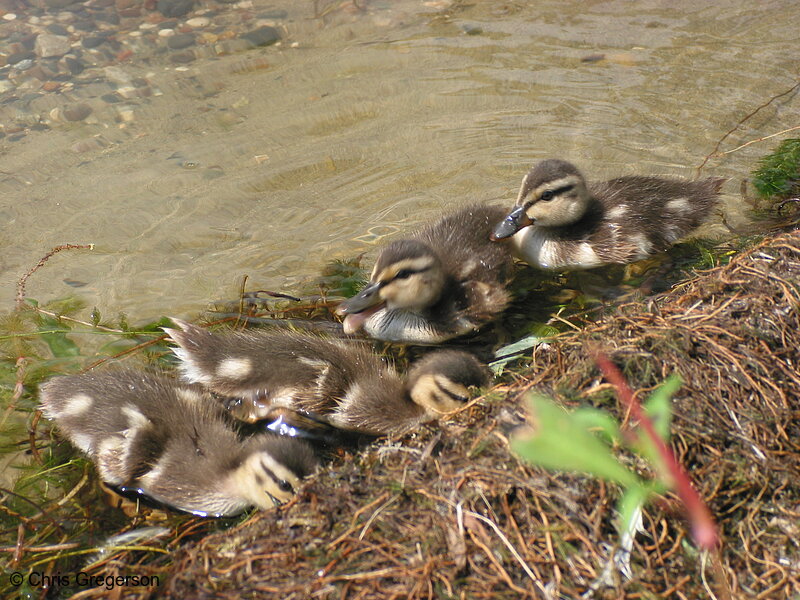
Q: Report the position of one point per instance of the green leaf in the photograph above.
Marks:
(659, 405)
(629, 507)
(561, 442)
(659, 408)
(599, 421)
(511, 352)
(60, 345)
(54, 333)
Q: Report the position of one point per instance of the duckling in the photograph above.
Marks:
(173, 442)
(565, 224)
(446, 281)
(350, 387)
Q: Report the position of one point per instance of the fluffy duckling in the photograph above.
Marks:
(350, 387)
(447, 280)
(563, 223)
(173, 442)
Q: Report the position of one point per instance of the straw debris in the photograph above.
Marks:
(451, 513)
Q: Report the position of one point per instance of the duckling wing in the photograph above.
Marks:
(647, 215)
(268, 369)
(483, 302)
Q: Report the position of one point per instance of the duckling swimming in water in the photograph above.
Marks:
(446, 281)
(349, 386)
(173, 442)
(560, 222)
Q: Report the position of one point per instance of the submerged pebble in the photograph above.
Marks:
(76, 112)
(174, 8)
(51, 45)
(263, 36)
(180, 41)
(197, 22)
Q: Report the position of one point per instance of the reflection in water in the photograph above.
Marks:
(190, 165)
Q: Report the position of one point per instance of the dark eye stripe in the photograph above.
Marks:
(404, 274)
(281, 484)
(451, 395)
(550, 194)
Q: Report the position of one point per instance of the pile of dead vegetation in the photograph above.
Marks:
(451, 513)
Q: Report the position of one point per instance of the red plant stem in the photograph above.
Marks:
(704, 530)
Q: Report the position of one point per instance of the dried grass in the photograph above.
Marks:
(450, 513)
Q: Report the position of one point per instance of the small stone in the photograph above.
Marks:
(174, 8)
(127, 91)
(51, 45)
(57, 29)
(111, 98)
(117, 75)
(107, 17)
(166, 32)
(9, 17)
(24, 65)
(92, 41)
(186, 56)
(58, 4)
(197, 22)
(274, 14)
(85, 25)
(51, 86)
(126, 114)
(263, 36)
(77, 112)
(181, 41)
(87, 145)
(74, 65)
(17, 57)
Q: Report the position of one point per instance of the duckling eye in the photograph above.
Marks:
(404, 274)
(547, 195)
(285, 486)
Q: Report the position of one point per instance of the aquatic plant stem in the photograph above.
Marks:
(20, 299)
(704, 530)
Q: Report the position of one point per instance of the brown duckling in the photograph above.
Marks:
(348, 386)
(560, 222)
(173, 442)
(446, 281)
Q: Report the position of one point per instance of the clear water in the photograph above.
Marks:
(362, 123)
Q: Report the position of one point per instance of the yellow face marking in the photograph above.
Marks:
(435, 392)
(535, 195)
(414, 265)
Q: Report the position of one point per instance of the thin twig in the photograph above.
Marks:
(742, 121)
(761, 139)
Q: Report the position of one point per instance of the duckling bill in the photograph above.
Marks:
(446, 281)
(561, 222)
(173, 442)
(350, 387)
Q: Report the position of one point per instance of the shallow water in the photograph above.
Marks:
(361, 123)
